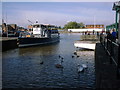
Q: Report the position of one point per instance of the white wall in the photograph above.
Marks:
(83, 30)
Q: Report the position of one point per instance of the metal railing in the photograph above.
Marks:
(113, 50)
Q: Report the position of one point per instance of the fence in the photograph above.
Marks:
(113, 50)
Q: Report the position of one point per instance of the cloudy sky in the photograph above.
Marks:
(58, 13)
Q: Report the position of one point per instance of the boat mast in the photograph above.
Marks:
(6, 24)
(94, 22)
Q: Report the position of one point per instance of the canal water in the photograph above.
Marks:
(22, 67)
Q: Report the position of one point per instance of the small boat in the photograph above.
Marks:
(85, 44)
(40, 34)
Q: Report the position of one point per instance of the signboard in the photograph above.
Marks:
(36, 30)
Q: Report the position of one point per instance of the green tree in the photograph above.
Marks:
(73, 25)
(81, 25)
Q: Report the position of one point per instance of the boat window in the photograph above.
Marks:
(36, 26)
(43, 26)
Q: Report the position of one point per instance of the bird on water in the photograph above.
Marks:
(41, 62)
(60, 65)
(80, 68)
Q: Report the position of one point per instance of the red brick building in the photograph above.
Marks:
(95, 26)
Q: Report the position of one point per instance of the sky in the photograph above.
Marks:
(58, 13)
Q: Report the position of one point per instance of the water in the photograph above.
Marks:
(22, 68)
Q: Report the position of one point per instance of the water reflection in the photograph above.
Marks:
(22, 68)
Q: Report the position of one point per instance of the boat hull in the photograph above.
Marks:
(25, 42)
(85, 45)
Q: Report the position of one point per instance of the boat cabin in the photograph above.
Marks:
(41, 31)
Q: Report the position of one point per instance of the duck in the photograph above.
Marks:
(78, 56)
(80, 68)
(59, 56)
(62, 58)
(41, 62)
(75, 52)
(72, 56)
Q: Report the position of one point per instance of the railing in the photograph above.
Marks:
(113, 50)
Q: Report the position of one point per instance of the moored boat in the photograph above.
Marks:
(85, 45)
(40, 34)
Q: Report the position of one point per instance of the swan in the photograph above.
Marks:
(84, 66)
(59, 65)
(80, 69)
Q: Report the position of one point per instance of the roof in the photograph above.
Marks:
(116, 6)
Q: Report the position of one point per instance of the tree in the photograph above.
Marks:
(73, 25)
(81, 25)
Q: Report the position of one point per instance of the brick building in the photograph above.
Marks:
(95, 26)
(12, 28)
(30, 27)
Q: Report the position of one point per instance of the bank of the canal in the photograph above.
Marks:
(22, 67)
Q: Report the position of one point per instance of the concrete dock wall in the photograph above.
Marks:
(106, 74)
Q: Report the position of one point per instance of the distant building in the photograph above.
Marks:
(12, 28)
(9, 27)
(30, 26)
(90, 28)
(95, 26)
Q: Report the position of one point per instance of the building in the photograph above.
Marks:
(9, 27)
(89, 28)
(12, 28)
(95, 26)
(30, 27)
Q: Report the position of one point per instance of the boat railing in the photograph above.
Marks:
(112, 48)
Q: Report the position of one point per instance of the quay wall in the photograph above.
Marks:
(8, 44)
(106, 75)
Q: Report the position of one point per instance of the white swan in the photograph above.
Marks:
(80, 69)
(84, 66)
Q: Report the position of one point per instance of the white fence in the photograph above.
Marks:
(83, 30)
